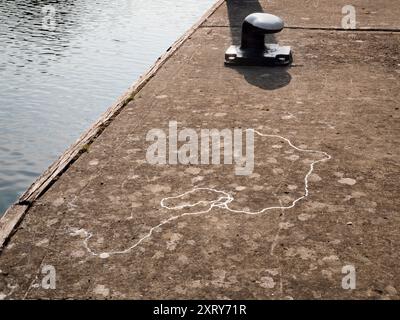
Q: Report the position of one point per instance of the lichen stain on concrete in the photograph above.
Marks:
(94, 162)
(348, 181)
(101, 290)
(267, 283)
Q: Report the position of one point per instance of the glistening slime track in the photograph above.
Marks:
(222, 202)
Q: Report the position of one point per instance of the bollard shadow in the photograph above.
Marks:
(266, 78)
(263, 77)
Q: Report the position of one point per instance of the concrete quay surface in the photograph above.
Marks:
(114, 226)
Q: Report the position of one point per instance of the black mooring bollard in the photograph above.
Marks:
(253, 49)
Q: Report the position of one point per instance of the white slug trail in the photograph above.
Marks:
(222, 202)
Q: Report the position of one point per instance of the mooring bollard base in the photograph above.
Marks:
(253, 51)
(273, 55)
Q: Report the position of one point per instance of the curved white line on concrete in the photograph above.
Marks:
(222, 202)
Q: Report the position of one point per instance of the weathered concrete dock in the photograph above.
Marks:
(94, 215)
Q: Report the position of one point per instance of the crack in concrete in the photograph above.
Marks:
(222, 202)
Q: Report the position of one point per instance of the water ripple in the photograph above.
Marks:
(54, 84)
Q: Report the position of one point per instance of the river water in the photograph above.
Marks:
(63, 63)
